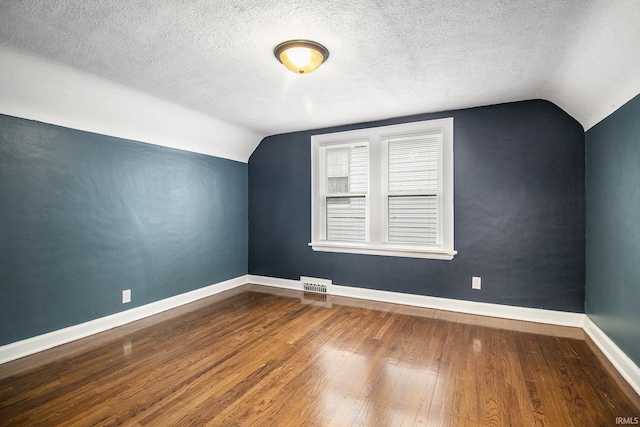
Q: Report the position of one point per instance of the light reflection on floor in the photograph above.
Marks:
(376, 392)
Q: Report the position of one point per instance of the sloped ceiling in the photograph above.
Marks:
(387, 58)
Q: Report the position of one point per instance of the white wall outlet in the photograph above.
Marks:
(126, 296)
(476, 283)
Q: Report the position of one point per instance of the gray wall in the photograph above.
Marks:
(519, 212)
(84, 216)
(613, 227)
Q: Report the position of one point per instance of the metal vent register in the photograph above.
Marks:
(312, 284)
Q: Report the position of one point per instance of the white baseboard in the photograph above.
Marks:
(49, 340)
(629, 371)
(471, 307)
(275, 282)
(625, 366)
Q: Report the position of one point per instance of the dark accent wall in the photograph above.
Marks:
(519, 212)
(84, 216)
(613, 227)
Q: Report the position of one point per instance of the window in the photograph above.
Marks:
(384, 191)
(346, 192)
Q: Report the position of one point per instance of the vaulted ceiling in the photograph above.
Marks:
(387, 58)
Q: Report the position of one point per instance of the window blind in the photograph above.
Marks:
(413, 188)
(413, 219)
(346, 219)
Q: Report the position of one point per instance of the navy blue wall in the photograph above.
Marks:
(613, 227)
(519, 212)
(84, 216)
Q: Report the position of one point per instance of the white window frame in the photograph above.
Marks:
(376, 199)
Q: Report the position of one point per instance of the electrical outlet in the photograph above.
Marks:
(126, 296)
(476, 283)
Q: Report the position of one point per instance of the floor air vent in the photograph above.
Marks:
(314, 287)
(312, 284)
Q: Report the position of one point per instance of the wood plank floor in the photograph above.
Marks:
(260, 356)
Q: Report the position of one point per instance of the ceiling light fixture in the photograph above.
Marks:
(301, 56)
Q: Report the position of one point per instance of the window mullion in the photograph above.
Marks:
(384, 190)
(375, 201)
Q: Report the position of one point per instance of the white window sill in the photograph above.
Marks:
(407, 252)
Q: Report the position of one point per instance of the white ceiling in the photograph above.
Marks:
(387, 58)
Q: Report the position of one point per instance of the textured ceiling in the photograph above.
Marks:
(387, 58)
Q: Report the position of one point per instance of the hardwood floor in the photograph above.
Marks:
(261, 356)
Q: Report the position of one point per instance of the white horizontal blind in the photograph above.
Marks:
(414, 186)
(346, 219)
(413, 219)
(347, 169)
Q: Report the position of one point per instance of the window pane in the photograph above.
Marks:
(337, 184)
(346, 219)
(413, 219)
(347, 169)
(413, 163)
(337, 162)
